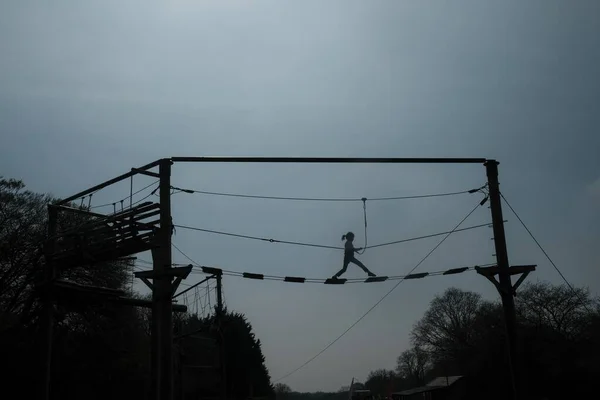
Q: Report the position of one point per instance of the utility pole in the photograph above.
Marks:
(162, 291)
(48, 315)
(505, 286)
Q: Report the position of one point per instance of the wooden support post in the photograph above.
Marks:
(219, 278)
(505, 285)
(162, 319)
(48, 314)
(219, 316)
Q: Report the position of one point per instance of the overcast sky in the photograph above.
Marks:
(91, 89)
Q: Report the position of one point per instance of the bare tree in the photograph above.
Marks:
(380, 382)
(22, 230)
(281, 390)
(448, 325)
(412, 365)
(564, 310)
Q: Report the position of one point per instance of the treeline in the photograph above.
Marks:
(461, 334)
(100, 350)
(284, 392)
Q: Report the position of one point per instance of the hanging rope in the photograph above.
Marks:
(90, 201)
(325, 246)
(325, 199)
(364, 200)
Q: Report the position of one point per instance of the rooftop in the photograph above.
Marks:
(438, 383)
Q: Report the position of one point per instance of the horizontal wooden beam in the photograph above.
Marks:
(297, 160)
(494, 270)
(331, 160)
(107, 183)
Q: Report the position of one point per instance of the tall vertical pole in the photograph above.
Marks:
(219, 295)
(48, 314)
(219, 316)
(506, 291)
(162, 307)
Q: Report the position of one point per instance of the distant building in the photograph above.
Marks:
(441, 388)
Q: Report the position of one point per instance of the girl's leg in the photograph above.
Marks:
(361, 265)
(341, 271)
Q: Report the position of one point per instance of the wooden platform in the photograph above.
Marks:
(107, 238)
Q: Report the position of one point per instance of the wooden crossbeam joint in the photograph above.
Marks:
(144, 172)
(491, 272)
(179, 273)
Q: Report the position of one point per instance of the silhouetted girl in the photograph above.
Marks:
(349, 256)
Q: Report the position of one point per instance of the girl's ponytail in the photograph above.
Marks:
(343, 237)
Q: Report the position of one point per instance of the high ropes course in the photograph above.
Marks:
(142, 221)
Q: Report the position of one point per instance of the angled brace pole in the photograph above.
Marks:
(524, 270)
(148, 283)
(519, 281)
(489, 276)
(193, 286)
(145, 172)
(181, 273)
